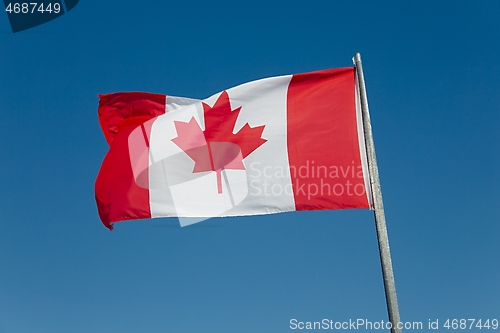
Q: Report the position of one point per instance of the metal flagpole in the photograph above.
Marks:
(378, 205)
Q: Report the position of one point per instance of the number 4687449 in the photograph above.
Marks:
(463, 324)
(33, 7)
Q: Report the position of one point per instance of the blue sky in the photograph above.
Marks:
(432, 72)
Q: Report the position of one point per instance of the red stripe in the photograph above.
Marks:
(114, 108)
(323, 147)
(118, 195)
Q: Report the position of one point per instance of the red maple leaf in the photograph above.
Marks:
(217, 148)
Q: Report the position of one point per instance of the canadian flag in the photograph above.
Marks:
(279, 144)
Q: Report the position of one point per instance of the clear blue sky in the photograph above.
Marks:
(432, 71)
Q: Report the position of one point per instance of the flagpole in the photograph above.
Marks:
(378, 205)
